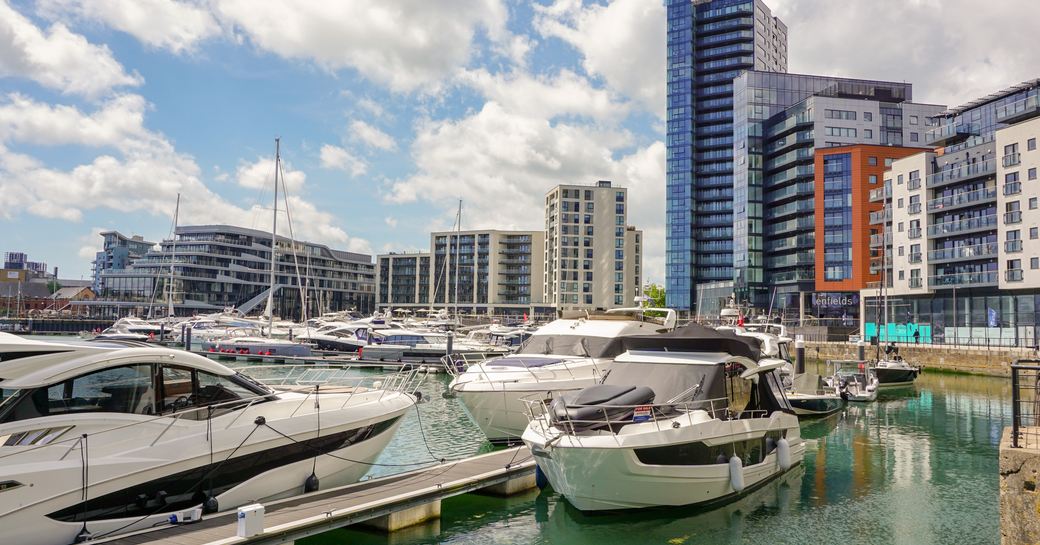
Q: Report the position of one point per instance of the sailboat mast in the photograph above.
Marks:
(274, 237)
(173, 257)
(458, 240)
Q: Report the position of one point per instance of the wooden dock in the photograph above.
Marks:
(388, 502)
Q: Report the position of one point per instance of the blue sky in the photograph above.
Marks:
(390, 111)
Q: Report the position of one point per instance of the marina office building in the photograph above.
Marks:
(588, 257)
(961, 228)
(492, 271)
(219, 266)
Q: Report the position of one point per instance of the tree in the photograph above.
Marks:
(654, 295)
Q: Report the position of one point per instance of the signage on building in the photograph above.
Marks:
(12, 275)
(841, 307)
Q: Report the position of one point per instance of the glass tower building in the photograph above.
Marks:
(710, 42)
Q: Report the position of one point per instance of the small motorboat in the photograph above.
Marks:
(810, 395)
(892, 370)
(856, 379)
(692, 417)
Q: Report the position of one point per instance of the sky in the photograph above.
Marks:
(390, 111)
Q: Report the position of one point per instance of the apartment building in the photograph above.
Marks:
(118, 252)
(593, 258)
(959, 237)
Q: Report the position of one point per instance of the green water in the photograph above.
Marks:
(917, 467)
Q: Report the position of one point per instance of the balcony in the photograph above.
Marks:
(914, 232)
(1011, 218)
(916, 282)
(1012, 188)
(963, 226)
(1012, 159)
(915, 257)
(950, 133)
(1012, 246)
(962, 173)
(1013, 275)
(913, 208)
(1019, 110)
(987, 278)
(913, 184)
(883, 216)
(876, 240)
(963, 199)
(977, 251)
(880, 194)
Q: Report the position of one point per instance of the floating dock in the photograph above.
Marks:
(389, 503)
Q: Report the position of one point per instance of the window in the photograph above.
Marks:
(899, 202)
(1034, 263)
(847, 132)
(901, 274)
(1032, 173)
(914, 137)
(913, 120)
(1032, 203)
(868, 133)
(839, 114)
(868, 116)
(888, 161)
(899, 179)
(901, 250)
(900, 227)
(126, 389)
(1034, 233)
(619, 196)
(872, 161)
(1031, 144)
(1011, 177)
(873, 178)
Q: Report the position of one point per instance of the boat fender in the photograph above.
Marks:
(783, 454)
(736, 473)
(540, 479)
(311, 484)
(211, 505)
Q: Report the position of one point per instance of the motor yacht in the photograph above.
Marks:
(98, 440)
(811, 395)
(247, 340)
(691, 417)
(565, 355)
(420, 346)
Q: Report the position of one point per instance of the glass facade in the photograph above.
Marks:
(837, 217)
(709, 43)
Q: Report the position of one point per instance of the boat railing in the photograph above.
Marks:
(335, 378)
(1025, 403)
(612, 418)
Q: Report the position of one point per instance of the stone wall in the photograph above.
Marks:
(959, 359)
(1019, 505)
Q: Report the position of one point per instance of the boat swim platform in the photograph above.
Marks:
(389, 503)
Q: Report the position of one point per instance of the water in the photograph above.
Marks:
(917, 467)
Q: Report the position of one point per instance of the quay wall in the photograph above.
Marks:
(1019, 496)
(973, 360)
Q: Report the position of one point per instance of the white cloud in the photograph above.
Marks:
(259, 174)
(371, 136)
(144, 174)
(88, 244)
(371, 107)
(57, 58)
(166, 24)
(496, 156)
(390, 221)
(566, 93)
(337, 158)
(623, 42)
(406, 45)
(953, 51)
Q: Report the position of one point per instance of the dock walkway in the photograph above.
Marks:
(301, 516)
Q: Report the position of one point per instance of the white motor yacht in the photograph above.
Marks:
(691, 417)
(565, 355)
(856, 379)
(248, 341)
(419, 346)
(97, 440)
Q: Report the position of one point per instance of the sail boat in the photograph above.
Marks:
(892, 370)
(244, 341)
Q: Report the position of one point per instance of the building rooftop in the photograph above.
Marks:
(1028, 84)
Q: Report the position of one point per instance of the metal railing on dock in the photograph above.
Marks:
(1025, 403)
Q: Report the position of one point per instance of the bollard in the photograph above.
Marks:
(451, 337)
(799, 355)
(187, 339)
(290, 335)
(184, 333)
(162, 332)
(861, 350)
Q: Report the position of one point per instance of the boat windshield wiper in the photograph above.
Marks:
(585, 347)
(692, 392)
(548, 346)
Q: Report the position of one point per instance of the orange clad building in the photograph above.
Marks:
(844, 177)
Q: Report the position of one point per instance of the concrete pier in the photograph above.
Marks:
(1019, 497)
(973, 360)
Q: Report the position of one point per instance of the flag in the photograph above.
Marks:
(992, 315)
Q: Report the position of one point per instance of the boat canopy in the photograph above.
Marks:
(697, 338)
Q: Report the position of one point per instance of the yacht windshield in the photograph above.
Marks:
(671, 382)
(6, 395)
(572, 345)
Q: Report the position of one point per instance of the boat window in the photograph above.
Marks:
(126, 389)
(785, 352)
(214, 389)
(177, 389)
(738, 389)
(572, 345)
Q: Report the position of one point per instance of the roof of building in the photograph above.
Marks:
(990, 98)
(341, 255)
(68, 293)
(25, 289)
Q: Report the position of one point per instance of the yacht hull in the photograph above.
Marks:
(609, 472)
(815, 405)
(895, 377)
(126, 484)
(502, 415)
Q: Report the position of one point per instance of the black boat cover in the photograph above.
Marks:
(696, 338)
